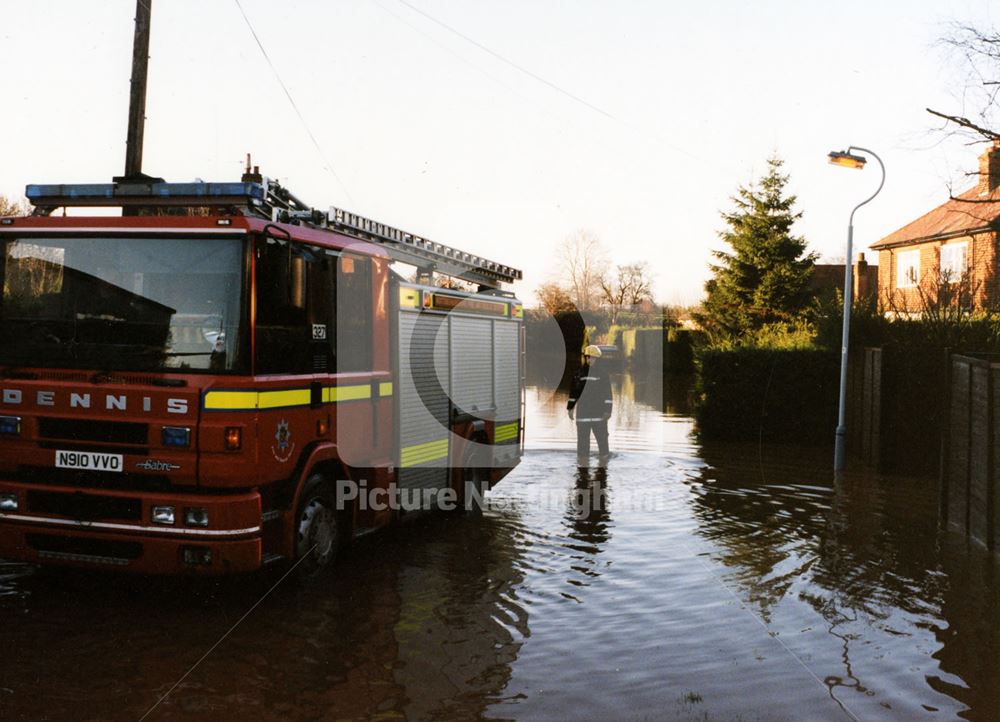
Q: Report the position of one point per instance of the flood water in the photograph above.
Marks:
(682, 582)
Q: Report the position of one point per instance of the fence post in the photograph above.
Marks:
(945, 460)
(960, 445)
(990, 432)
(879, 376)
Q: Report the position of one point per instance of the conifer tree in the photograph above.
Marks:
(765, 279)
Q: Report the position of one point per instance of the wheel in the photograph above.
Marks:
(317, 533)
(476, 481)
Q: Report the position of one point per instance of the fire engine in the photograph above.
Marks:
(223, 378)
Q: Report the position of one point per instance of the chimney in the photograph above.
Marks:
(862, 279)
(989, 169)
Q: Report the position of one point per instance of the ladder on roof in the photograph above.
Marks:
(263, 197)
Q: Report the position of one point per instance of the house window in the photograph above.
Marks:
(907, 269)
(954, 262)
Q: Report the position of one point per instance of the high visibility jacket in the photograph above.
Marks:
(591, 393)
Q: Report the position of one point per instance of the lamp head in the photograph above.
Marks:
(847, 159)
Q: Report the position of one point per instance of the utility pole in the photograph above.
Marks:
(137, 94)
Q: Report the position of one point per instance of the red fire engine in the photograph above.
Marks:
(223, 378)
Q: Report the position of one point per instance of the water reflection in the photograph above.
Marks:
(588, 518)
(856, 561)
(422, 629)
(967, 630)
(683, 581)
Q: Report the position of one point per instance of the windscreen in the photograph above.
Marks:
(130, 304)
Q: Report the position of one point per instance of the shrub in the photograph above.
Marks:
(787, 395)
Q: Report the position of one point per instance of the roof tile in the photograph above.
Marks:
(967, 212)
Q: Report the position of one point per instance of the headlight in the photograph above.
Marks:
(163, 515)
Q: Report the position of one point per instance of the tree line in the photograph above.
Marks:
(585, 280)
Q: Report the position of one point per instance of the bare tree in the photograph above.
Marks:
(976, 54)
(940, 298)
(13, 208)
(639, 282)
(629, 286)
(583, 262)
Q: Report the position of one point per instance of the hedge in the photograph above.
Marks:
(773, 395)
(646, 347)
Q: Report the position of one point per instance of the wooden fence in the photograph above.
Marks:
(896, 410)
(969, 480)
(864, 406)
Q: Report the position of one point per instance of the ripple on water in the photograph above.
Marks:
(684, 581)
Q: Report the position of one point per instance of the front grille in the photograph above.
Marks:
(82, 549)
(105, 432)
(92, 479)
(112, 377)
(84, 507)
(66, 446)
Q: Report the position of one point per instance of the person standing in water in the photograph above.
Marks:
(590, 402)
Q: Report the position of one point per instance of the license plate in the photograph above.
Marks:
(88, 460)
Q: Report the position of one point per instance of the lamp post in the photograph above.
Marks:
(848, 159)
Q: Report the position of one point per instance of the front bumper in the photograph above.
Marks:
(44, 533)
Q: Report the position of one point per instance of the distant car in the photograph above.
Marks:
(610, 355)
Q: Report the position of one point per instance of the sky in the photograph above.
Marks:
(502, 128)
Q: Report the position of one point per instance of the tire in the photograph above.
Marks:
(474, 477)
(318, 528)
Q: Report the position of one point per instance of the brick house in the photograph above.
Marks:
(949, 255)
(827, 280)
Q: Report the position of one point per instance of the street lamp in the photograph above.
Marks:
(848, 159)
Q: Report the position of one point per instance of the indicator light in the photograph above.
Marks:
(234, 438)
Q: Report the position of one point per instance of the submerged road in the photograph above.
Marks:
(682, 582)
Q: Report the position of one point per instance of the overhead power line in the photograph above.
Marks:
(328, 165)
(549, 83)
(509, 62)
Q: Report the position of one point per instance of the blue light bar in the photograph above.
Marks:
(201, 190)
(73, 190)
(110, 193)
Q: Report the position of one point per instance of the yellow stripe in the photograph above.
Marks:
(422, 453)
(249, 400)
(231, 400)
(425, 458)
(409, 297)
(505, 432)
(385, 389)
(278, 399)
(415, 458)
(346, 393)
